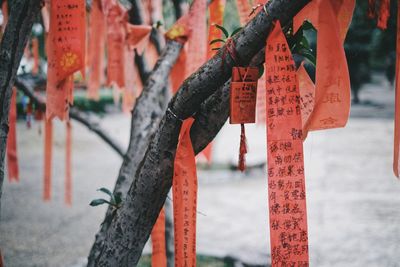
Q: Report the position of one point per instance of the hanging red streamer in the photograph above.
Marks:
(396, 162)
(68, 164)
(384, 13)
(286, 182)
(65, 52)
(159, 255)
(185, 199)
(332, 93)
(48, 151)
(12, 156)
(97, 28)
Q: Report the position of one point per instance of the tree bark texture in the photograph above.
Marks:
(22, 15)
(146, 117)
(131, 227)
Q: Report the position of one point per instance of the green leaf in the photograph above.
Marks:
(307, 25)
(223, 30)
(97, 202)
(105, 190)
(260, 71)
(217, 41)
(118, 199)
(308, 55)
(236, 31)
(304, 43)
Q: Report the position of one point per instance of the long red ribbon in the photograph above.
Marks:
(12, 155)
(286, 182)
(65, 52)
(68, 164)
(396, 163)
(158, 255)
(97, 28)
(185, 199)
(48, 148)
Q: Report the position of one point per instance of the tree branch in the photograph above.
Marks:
(132, 225)
(22, 15)
(93, 125)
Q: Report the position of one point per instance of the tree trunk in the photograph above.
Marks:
(22, 15)
(132, 225)
(146, 116)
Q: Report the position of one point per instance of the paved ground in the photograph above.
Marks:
(353, 198)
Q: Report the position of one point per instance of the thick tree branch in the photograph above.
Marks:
(22, 15)
(132, 225)
(146, 116)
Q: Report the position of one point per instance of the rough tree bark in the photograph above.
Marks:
(22, 15)
(133, 222)
(145, 119)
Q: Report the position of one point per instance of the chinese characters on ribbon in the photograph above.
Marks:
(286, 182)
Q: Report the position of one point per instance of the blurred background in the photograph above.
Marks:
(353, 198)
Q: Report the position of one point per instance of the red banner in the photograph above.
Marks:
(286, 182)
(307, 96)
(332, 94)
(48, 151)
(65, 53)
(68, 165)
(185, 199)
(97, 30)
(244, 10)
(159, 255)
(12, 155)
(396, 163)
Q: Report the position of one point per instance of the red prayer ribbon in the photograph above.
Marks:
(185, 199)
(66, 54)
(97, 28)
(396, 163)
(68, 164)
(286, 182)
(48, 151)
(158, 255)
(12, 155)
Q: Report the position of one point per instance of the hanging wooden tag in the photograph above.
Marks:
(243, 95)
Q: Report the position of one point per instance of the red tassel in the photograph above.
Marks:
(68, 165)
(384, 13)
(371, 9)
(243, 149)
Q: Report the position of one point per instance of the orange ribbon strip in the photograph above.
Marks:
(244, 10)
(185, 199)
(396, 163)
(197, 43)
(12, 155)
(35, 54)
(158, 255)
(216, 9)
(48, 149)
(286, 182)
(384, 13)
(332, 94)
(97, 28)
(66, 54)
(68, 165)
(116, 17)
(307, 95)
